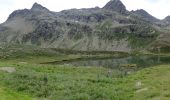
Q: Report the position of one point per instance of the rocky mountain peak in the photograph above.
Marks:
(166, 21)
(19, 13)
(145, 15)
(25, 12)
(115, 5)
(141, 12)
(167, 18)
(38, 7)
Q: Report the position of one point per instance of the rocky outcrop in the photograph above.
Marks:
(167, 18)
(115, 5)
(19, 13)
(38, 7)
(145, 15)
(166, 22)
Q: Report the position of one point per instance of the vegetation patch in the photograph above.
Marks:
(6, 94)
(128, 65)
(67, 82)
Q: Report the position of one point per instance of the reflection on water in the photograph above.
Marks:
(140, 61)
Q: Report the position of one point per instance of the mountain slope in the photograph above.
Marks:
(111, 28)
(115, 5)
(145, 15)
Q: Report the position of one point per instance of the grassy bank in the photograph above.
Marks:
(153, 83)
(31, 54)
(6, 94)
(66, 82)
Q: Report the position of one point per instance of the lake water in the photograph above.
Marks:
(140, 62)
(114, 63)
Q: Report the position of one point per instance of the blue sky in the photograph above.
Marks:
(158, 8)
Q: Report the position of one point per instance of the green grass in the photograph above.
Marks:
(59, 82)
(155, 80)
(11, 95)
(41, 59)
(66, 82)
(163, 49)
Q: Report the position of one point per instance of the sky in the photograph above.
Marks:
(158, 8)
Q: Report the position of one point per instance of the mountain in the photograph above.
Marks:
(167, 18)
(111, 28)
(166, 21)
(163, 40)
(115, 5)
(38, 7)
(145, 15)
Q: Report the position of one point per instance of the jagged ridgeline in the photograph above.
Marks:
(111, 28)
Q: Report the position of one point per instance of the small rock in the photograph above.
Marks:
(22, 62)
(141, 90)
(8, 69)
(129, 72)
(138, 84)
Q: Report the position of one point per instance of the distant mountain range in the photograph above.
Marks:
(111, 28)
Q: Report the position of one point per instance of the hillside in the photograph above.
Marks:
(111, 28)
